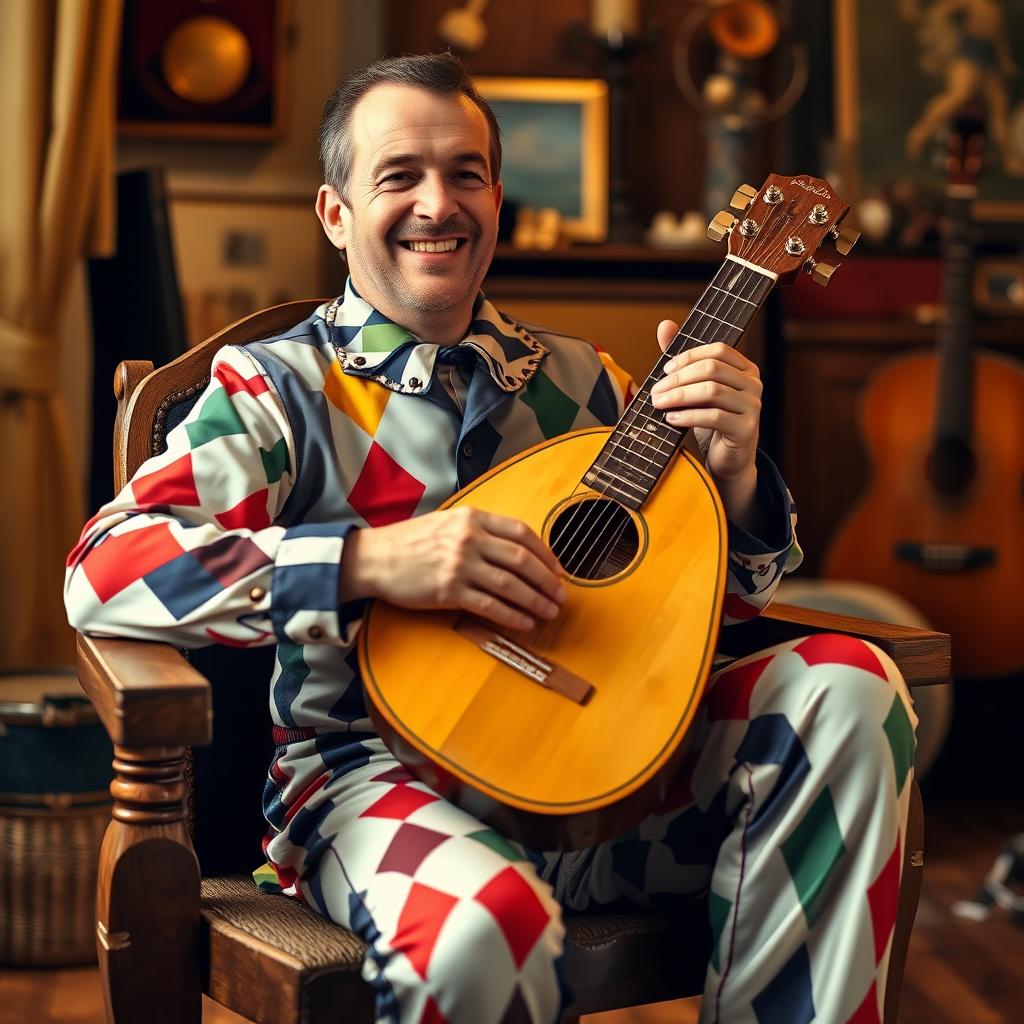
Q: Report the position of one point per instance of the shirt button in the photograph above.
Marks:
(415, 382)
(359, 360)
(315, 633)
(467, 450)
(257, 594)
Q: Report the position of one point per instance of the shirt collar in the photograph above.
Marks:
(370, 345)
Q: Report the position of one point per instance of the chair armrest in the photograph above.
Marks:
(922, 655)
(146, 694)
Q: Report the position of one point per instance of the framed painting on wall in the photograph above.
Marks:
(903, 69)
(554, 134)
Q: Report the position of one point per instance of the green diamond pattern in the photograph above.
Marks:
(812, 851)
(900, 734)
(554, 409)
(718, 912)
(275, 461)
(499, 844)
(383, 337)
(216, 419)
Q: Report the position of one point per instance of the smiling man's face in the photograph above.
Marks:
(420, 217)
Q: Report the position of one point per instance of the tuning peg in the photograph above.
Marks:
(721, 226)
(845, 240)
(743, 197)
(821, 273)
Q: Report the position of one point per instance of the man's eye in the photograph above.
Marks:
(398, 176)
(471, 175)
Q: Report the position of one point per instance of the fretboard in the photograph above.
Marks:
(953, 408)
(643, 443)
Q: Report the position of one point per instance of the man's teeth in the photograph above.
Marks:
(448, 245)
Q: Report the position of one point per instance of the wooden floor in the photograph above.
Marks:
(959, 972)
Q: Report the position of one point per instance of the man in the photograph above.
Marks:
(312, 467)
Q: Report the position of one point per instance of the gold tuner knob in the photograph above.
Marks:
(743, 197)
(721, 226)
(821, 273)
(846, 239)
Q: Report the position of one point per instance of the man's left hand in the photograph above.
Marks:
(716, 390)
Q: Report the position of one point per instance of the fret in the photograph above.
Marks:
(725, 291)
(603, 484)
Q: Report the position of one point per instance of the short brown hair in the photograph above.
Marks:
(439, 72)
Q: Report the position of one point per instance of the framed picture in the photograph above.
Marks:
(902, 69)
(554, 135)
(203, 69)
(240, 255)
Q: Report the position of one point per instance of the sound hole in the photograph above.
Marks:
(594, 539)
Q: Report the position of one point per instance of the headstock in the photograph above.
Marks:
(785, 225)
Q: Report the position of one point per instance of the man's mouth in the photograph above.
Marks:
(433, 245)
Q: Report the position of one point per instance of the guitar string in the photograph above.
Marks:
(720, 300)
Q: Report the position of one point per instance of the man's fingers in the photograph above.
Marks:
(667, 330)
(519, 533)
(489, 606)
(518, 574)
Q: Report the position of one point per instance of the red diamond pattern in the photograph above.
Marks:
(249, 514)
(124, 558)
(431, 1014)
(883, 897)
(729, 698)
(398, 803)
(834, 649)
(384, 493)
(172, 485)
(867, 1012)
(420, 923)
(517, 909)
(234, 382)
(409, 848)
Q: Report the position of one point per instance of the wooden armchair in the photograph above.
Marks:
(177, 912)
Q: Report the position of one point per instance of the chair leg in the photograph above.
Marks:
(147, 903)
(910, 894)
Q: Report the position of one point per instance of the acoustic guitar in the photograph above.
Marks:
(942, 523)
(570, 734)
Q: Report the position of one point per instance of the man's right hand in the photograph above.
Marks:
(491, 565)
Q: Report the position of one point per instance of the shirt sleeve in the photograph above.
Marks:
(191, 553)
(756, 564)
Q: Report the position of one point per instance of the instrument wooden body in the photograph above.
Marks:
(981, 604)
(644, 639)
(569, 736)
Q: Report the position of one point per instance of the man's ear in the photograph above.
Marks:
(329, 209)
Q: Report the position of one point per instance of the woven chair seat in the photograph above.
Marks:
(275, 961)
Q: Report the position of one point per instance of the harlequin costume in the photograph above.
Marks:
(789, 812)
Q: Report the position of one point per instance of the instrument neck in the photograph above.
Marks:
(953, 401)
(643, 443)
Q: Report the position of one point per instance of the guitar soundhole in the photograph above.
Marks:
(595, 539)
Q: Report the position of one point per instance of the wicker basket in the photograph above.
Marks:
(48, 886)
(54, 807)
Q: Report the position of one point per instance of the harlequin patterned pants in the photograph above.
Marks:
(790, 809)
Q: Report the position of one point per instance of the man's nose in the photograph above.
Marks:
(435, 199)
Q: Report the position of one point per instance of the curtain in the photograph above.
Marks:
(57, 133)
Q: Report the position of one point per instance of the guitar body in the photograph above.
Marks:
(551, 769)
(957, 556)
